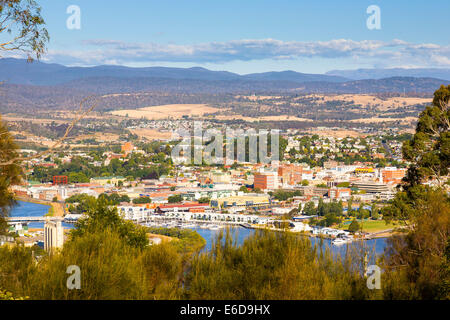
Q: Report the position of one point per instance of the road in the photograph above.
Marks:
(388, 150)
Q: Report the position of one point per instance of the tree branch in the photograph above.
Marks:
(61, 140)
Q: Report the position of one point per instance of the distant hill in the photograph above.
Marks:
(122, 85)
(294, 77)
(17, 71)
(140, 92)
(387, 85)
(45, 86)
(361, 74)
(194, 86)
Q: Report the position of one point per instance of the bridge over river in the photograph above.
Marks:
(25, 220)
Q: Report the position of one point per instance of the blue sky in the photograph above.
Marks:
(250, 35)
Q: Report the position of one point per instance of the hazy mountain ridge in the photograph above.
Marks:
(361, 74)
(52, 86)
(386, 85)
(294, 77)
(18, 71)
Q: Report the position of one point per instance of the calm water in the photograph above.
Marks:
(375, 245)
(29, 209)
(210, 235)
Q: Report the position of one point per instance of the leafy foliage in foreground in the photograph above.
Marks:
(417, 265)
(429, 149)
(9, 174)
(101, 216)
(272, 265)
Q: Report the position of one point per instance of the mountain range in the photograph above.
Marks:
(361, 74)
(18, 71)
(27, 86)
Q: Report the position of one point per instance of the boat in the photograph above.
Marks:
(340, 241)
(214, 227)
(188, 226)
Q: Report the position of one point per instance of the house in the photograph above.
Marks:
(107, 180)
(248, 200)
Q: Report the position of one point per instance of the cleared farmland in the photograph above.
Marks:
(169, 111)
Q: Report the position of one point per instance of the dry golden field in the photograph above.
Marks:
(369, 100)
(266, 118)
(151, 134)
(99, 136)
(405, 120)
(341, 133)
(170, 111)
(10, 118)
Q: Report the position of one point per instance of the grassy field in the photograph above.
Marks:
(376, 226)
(372, 225)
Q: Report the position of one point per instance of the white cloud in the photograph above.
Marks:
(381, 53)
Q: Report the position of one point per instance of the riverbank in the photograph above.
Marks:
(56, 208)
(365, 236)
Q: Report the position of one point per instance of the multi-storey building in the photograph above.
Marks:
(266, 180)
(290, 174)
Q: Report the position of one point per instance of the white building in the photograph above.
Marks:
(301, 227)
(53, 235)
(134, 212)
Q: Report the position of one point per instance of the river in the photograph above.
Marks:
(29, 209)
(240, 234)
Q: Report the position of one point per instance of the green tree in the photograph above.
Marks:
(321, 208)
(102, 216)
(111, 269)
(363, 213)
(343, 185)
(9, 173)
(142, 200)
(175, 199)
(257, 190)
(22, 27)
(114, 198)
(429, 149)
(330, 219)
(350, 206)
(374, 213)
(203, 200)
(243, 189)
(354, 226)
(417, 264)
(309, 209)
(283, 195)
(292, 270)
